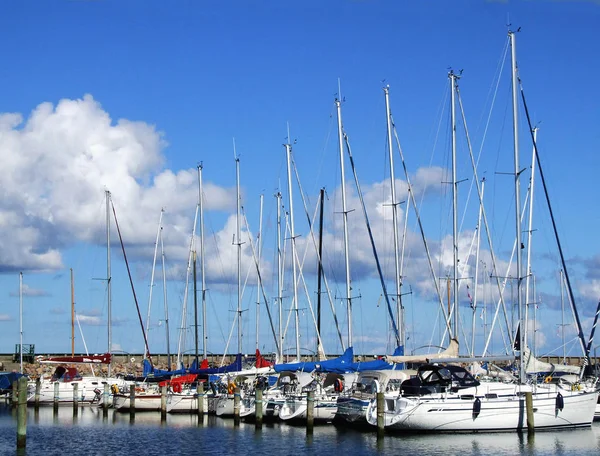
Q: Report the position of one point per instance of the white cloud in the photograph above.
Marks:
(92, 320)
(57, 164)
(4, 317)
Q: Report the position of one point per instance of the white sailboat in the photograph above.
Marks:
(447, 398)
(66, 375)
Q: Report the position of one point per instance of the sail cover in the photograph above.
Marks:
(340, 364)
(450, 352)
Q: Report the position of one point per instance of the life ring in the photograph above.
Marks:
(548, 379)
(338, 385)
(231, 388)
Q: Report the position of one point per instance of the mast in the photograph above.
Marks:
(162, 254)
(320, 265)
(288, 152)
(522, 323)
(279, 276)
(530, 236)
(152, 275)
(21, 320)
(399, 308)
(562, 317)
(195, 311)
(72, 315)
(202, 264)
(239, 254)
(453, 77)
(345, 215)
(258, 282)
(108, 279)
(477, 271)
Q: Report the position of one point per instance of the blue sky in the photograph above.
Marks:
(131, 96)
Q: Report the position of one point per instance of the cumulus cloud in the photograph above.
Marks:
(57, 164)
(4, 317)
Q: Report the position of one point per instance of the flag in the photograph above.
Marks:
(469, 296)
(517, 344)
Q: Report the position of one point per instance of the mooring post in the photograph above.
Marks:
(38, 390)
(75, 398)
(200, 399)
(529, 408)
(132, 402)
(163, 402)
(236, 405)
(258, 407)
(380, 414)
(14, 394)
(105, 399)
(310, 411)
(56, 397)
(22, 413)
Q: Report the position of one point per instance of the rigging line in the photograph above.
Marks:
(555, 229)
(131, 282)
(182, 329)
(368, 226)
(319, 259)
(487, 124)
(477, 183)
(221, 264)
(259, 278)
(421, 229)
(325, 145)
(83, 340)
(501, 294)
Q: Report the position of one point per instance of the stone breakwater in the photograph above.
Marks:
(118, 368)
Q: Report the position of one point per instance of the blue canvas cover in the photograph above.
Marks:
(150, 371)
(7, 379)
(340, 365)
(380, 364)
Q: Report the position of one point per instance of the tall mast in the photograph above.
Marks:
(152, 276)
(562, 317)
(517, 202)
(320, 266)
(195, 310)
(399, 309)
(108, 279)
(21, 320)
(477, 270)
(239, 254)
(162, 254)
(258, 283)
(202, 264)
(453, 77)
(72, 315)
(530, 235)
(279, 276)
(288, 151)
(345, 215)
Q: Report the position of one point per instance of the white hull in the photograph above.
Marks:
(457, 412)
(188, 403)
(142, 402)
(87, 390)
(296, 409)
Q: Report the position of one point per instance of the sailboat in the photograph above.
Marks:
(66, 374)
(445, 397)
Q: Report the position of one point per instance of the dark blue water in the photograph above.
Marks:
(92, 434)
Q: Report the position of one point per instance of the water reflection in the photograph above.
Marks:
(93, 432)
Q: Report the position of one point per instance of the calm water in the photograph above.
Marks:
(91, 434)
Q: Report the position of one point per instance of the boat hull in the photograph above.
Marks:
(504, 413)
